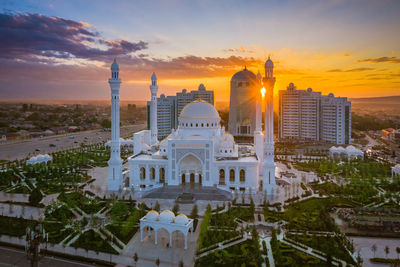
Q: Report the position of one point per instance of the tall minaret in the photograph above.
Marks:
(115, 162)
(258, 134)
(153, 109)
(269, 183)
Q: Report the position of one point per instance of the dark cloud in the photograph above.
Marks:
(351, 70)
(393, 60)
(26, 36)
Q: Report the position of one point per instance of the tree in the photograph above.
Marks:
(106, 123)
(373, 249)
(135, 258)
(194, 212)
(398, 251)
(387, 250)
(35, 197)
(175, 209)
(157, 206)
(158, 262)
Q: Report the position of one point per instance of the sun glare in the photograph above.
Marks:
(263, 92)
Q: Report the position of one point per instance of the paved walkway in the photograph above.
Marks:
(26, 212)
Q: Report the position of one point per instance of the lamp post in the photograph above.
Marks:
(36, 244)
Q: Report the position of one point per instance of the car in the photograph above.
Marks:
(71, 137)
(37, 149)
(52, 145)
(76, 142)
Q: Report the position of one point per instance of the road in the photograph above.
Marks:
(23, 148)
(16, 257)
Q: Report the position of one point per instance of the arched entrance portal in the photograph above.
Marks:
(190, 169)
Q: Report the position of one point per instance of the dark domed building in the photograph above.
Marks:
(245, 88)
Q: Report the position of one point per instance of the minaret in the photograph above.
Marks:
(259, 106)
(153, 109)
(258, 134)
(115, 162)
(269, 183)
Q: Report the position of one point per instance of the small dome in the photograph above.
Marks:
(244, 75)
(202, 87)
(115, 66)
(199, 109)
(309, 90)
(350, 148)
(181, 219)
(153, 77)
(152, 215)
(167, 216)
(331, 95)
(269, 63)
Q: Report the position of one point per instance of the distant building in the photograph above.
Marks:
(245, 88)
(310, 116)
(169, 108)
(389, 134)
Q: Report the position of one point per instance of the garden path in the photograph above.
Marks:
(269, 250)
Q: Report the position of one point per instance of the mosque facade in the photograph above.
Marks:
(201, 152)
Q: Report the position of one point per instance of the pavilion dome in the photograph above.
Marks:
(152, 215)
(199, 109)
(167, 216)
(181, 219)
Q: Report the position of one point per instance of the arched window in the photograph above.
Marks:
(202, 125)
(221, 177)
(232, 176)
(142, 173)
(191, 125)
(197, 125)
(152, 174)
(240, 84)
(242, 176)
(162, 175)
(208, 125)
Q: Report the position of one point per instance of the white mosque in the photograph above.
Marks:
(199, 152)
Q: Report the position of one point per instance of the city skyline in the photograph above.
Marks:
(62, 51)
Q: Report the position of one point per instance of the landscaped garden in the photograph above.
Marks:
(313, 214)
(246, 253)
(330, 245)
(218, 227)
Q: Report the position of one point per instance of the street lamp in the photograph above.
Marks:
(36, 238)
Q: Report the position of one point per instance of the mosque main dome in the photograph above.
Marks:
(199, 109)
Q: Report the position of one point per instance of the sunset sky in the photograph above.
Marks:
(63, 49)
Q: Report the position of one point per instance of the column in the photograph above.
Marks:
(186, 240)
(155, 236)
(196, 177)
(170, 240)
(141, 234)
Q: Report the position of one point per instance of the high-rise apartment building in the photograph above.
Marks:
(309, 116)
(169, 108)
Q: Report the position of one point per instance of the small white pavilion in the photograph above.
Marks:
(349, 152)
(396, 171)
(39, 159)
(168, 221)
